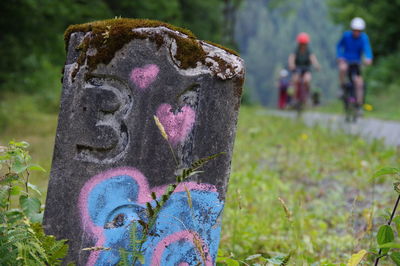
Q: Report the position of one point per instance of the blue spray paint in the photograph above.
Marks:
(181, 236)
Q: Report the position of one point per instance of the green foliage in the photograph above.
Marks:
(33, 52)
(54, 249)
(382, 18)
(385, 237)
(383, 86)
(22, 240)
(395, 256)
(386, 171)
(30, 47)
(383, 72)
(24, 243)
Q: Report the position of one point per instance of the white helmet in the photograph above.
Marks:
(284, 73)
(357, 24)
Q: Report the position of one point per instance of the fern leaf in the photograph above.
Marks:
(132, 235)
(202, 161)
(150, 209)
(153, 195)
(124, 261)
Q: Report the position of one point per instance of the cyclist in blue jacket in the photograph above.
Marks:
(351, 47)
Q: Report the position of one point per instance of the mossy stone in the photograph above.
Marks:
(109, 36)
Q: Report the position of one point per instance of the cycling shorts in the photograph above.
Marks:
(354, 69)
(302, 70)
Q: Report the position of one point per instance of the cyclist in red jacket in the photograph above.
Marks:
(301, 60)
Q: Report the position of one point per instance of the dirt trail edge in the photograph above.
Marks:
(368, 128)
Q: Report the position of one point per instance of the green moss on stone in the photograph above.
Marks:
(229, 50)
(188, 52)
(109, 36)
(119, 25)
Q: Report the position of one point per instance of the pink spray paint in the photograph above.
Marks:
(142, 77)
(185, 235)
(177, 126)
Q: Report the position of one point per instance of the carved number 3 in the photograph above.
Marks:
(104, 105)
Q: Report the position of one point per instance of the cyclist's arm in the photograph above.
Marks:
(314, 62)
(340, 48)
(367, 50)
(291, 62)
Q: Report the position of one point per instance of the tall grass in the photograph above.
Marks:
(323, 179)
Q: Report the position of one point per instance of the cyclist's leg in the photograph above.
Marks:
(307, 79)
(307, 85)
(295, 83)
(359, 83)
(343, 67)
(295, 78)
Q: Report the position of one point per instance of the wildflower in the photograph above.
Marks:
(304, 136)
(368, 107)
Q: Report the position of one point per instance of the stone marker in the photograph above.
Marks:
(111, 161)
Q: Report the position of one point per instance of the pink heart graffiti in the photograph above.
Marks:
(177, 126)
(144, 76)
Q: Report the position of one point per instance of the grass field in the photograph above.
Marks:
(322, 177)
(292, 189)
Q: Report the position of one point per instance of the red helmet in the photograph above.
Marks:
(303, 38)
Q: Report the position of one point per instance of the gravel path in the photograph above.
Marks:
(368, 128)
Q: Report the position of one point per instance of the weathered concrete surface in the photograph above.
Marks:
(109, 155)
(368, 128)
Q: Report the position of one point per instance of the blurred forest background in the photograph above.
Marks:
(266, 40)
(263, 31)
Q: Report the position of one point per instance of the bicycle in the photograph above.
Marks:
(351, 107)
(301, 94)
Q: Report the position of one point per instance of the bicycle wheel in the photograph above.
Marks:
(301, 97)
(350, 104)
